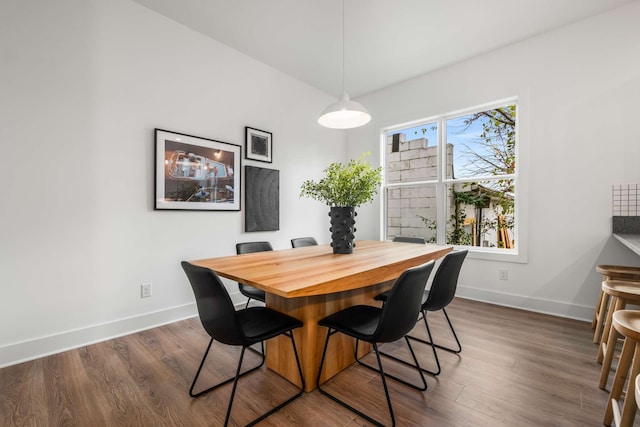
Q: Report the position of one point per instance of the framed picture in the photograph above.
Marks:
(194, 173)
(258, 144)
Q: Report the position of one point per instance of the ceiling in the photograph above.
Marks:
(386, 41)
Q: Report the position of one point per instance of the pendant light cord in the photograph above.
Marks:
(344, 113)
(343, 72)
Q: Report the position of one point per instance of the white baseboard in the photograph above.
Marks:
(33, 349)
(24, 351)
(539, 305)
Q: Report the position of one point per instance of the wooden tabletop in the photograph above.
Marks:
(316, 270)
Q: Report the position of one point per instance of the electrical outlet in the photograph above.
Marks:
(145, 290)
(503, 274)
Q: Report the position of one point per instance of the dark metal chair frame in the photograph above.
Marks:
(300, 242)
(249, 291)
(442, 292)
(419, 240)
(244, 328)
(379, 325)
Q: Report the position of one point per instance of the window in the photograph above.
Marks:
(452, 179)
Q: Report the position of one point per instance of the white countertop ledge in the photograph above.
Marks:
(632, 241)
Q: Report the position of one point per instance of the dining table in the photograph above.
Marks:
(312, 282)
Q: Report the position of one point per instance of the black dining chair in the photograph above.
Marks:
(303, 241)
(249, 291)
(244, 327)
(380, 325)
(443, 289)
(409, 239)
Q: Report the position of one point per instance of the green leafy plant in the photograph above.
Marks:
(353, 184)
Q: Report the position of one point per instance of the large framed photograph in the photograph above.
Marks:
(194, 173)
(258, 145)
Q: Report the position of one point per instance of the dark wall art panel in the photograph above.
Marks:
(262, 199)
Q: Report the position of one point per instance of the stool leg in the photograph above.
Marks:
(614, 305)
(601, 312)
(596, 312)
(608, 358)
(629, 408)
(618, 382)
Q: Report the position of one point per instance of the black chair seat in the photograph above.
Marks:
(382, 297)
(358, 321)
(261, 323)
(251, 292)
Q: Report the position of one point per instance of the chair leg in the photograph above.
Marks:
(630, 407)
(247, 304)
(292, 398)
(384, 383)
(434, 345)
(233, 389)
(603, 307)
(615, 304)
(626, 356)
(607, 359)
(324, 353)
(345, 404)
(415, 365)
(594, 321)
(431, 344)
(240, 374)
(204, 358)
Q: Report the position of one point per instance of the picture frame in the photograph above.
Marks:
(258, 145)
(196, 173)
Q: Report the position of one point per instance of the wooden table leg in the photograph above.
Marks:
(310, 338)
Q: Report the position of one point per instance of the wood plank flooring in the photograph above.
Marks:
(516, 369)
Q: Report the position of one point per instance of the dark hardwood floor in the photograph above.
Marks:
(516, 369)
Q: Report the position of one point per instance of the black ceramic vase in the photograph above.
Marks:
(343, 220)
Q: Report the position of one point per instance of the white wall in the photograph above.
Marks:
(82, 86)
(579, 89)
(83, 83)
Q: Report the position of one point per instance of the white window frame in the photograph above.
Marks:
(519, 253)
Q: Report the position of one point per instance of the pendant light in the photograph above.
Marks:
(344, 114)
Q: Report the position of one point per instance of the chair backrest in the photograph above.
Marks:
(401, 309)
(445, 282)
(216, 310)
(250, 247)
(303, 241)
(409, 239)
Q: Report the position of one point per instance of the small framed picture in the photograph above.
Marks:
(195, 173)
(258, 144)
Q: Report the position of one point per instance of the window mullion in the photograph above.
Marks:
(441, 196)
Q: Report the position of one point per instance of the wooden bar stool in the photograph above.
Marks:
(638, 390)
(620, 293)
(610, 272)
(627, 323)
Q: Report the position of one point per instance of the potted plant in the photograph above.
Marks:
(343, 189)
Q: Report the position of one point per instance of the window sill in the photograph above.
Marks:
(491, 254)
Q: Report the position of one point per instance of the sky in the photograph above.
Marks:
(456, 135)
